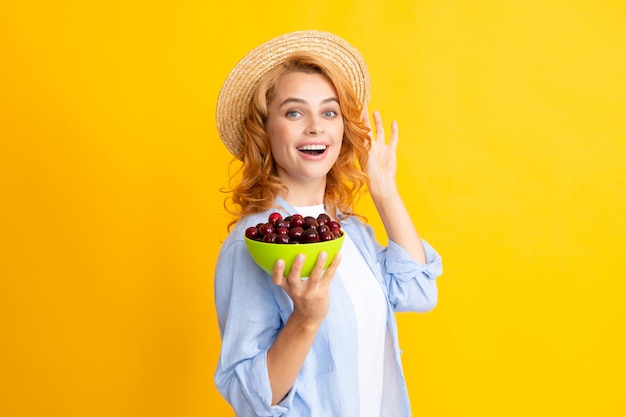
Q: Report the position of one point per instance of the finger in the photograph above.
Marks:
(296, 267)
(278, 277)
(393, 141)
(332, 268)
(378, 122)
(318, 269)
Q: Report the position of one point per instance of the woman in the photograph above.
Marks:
(293, 111)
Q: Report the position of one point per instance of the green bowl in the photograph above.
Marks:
(266, 254)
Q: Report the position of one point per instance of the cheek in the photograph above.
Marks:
(278, 134)
(339, 130)
(338, 135)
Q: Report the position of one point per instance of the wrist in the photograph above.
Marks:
(304, 324)
(381, 193)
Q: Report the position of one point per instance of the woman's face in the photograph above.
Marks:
(305, 127)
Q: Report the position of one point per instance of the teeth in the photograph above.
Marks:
(312, 147)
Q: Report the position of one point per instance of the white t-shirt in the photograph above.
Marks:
(370, 308)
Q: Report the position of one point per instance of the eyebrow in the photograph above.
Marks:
(301, 101)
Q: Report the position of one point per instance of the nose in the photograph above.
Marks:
(315, 126)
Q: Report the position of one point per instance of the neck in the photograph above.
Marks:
(305, 194)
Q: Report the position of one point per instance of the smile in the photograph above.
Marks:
(314, 149)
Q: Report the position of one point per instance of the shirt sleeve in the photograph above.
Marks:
(411, 285)
(249, 320)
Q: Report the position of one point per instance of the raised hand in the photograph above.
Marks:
(381, 169)
(381, 166)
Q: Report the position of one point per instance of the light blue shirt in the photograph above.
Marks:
(252, 310)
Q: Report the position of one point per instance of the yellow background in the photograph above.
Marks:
(512, 153)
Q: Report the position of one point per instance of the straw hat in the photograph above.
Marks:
(232, 103)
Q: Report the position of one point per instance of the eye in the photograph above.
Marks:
(330, 113)
(293, 114)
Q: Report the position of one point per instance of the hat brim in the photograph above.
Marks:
(234, 97)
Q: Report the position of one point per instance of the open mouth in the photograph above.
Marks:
(316, 149)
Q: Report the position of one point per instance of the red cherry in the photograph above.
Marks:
(281, 223)
(333, 225)
(297, 221)
(252, 232)
(270, 237)
(266, 228)
(326, 236)
(310, 236)
(310, 223)
(284, 239)
(322, 228)
(274, 216)
(323, 218)
(296, 233)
